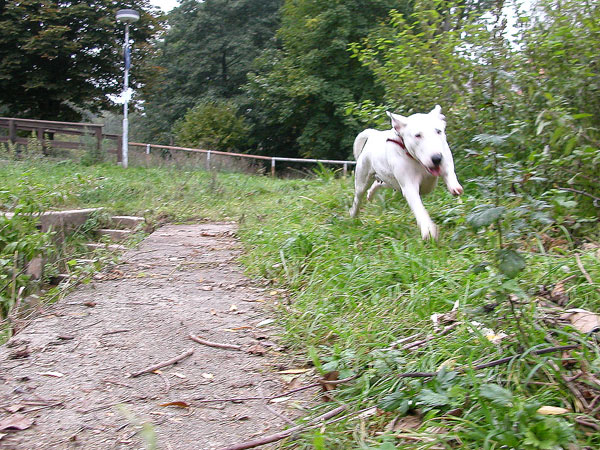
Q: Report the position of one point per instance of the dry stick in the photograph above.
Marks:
(583, 271)
(496, 362)
(106, 333)
(444, 332)
(284, 434)
(163, 364)
(214, 344)
(293, 391)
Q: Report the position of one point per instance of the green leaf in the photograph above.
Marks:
(395, 402)
(485, 216)
(433, 399)
(511, 262)
(497, 394)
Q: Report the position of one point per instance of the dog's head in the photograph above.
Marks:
(424, 137)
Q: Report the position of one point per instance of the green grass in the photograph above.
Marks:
(357, 286)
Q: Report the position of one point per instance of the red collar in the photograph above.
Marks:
(399, 141)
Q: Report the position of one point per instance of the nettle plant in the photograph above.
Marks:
(509, 218)
(20, 240)
(485, 413)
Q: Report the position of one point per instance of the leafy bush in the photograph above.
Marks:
(213, 125)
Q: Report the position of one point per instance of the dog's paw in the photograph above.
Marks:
(456, 189)
(429, 231)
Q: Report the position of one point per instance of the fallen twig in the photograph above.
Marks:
(283, 394)
(286, 433)
(214, 344)
(496, 362)
(163, 364)
(583, 271)
(444, 332)
(106, 333)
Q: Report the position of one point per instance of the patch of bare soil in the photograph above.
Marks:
(65, 380)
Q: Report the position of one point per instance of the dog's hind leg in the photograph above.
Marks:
(362, 179)
(374, 187)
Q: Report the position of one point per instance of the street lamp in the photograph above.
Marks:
(126, 16)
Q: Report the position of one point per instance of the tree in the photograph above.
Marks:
(297, 95)
(206, 54)
(60, 58)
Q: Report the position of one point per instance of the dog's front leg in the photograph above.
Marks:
(451, 181)
(428, 228)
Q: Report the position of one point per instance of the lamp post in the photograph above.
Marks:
(126, 16)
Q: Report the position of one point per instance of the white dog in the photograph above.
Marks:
(408, 158)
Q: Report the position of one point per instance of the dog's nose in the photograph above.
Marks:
(436, 159)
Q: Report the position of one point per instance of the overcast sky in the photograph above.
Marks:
(165, 5)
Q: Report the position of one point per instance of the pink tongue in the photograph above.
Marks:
(435, 171)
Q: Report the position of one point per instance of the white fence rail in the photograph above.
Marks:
(273, 159)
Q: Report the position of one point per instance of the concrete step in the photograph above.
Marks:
(112, 247)
(127, 221)
(62, 221)
(115, 235)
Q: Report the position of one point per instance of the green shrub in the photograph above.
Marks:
(213, 125)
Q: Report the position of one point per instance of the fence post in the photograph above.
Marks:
(147, 149)
(345, 172)
(12, 131)
(119, 149)
(208, 160)
(272, 167)
(98, 138)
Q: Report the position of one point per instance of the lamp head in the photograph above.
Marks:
(128, 15)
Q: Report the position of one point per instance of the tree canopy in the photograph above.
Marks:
(59, 58)
(206, 53)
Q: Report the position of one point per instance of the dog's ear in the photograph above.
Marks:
(398, 121)
(437, 111)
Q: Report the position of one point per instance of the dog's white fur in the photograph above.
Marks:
(413, 170)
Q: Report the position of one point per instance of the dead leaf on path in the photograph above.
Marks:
(15, 422)
(583, 320)
(206, 288)
(52, 374)
(179, 404)
(558, 294)
(405, 423)
(208, 376)
(551, 410)
(14, 408)
(265, 322)
(243, 327)
(233, 308)
(89, 304)
(257, 349)
(178, 375)
(2, 435)
(279, 399)
(20, 353)
(329, 376)
(213, 312)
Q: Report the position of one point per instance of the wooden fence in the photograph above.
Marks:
(49, 133)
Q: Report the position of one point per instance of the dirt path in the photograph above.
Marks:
(68, 371)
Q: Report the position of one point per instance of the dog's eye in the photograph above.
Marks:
(418, 135)
(438, 131)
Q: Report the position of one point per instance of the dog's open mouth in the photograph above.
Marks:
(435, 171)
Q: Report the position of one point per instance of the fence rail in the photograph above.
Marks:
(46, 132)
(272, 159)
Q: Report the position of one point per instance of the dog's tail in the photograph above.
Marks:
(360, 142)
